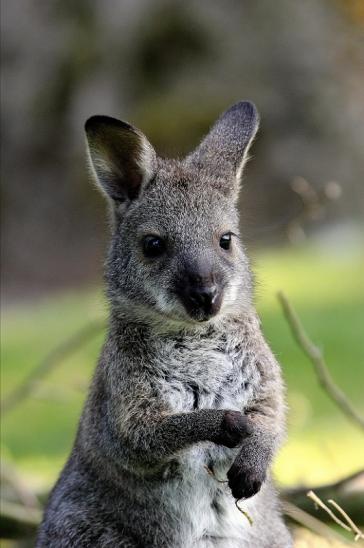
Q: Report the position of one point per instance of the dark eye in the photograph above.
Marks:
(225, 241)
(153, 246)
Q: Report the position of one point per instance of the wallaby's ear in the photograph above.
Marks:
(121, 157)
(224, 150)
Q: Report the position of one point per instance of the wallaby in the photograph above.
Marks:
(186, 408)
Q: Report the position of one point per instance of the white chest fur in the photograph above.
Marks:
(206, 376)
(204, 508)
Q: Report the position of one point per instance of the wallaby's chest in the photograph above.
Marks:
(206, 374)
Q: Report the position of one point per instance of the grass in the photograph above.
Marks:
(328, 293)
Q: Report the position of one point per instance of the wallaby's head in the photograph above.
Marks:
(176, 251)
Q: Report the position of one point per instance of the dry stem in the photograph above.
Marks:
(349, 526)
(316, 357)
(244, 512)
(358, 533)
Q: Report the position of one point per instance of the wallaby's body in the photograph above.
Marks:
(186, 393)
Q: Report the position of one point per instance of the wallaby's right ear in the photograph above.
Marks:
(224, 150)
(121, 157)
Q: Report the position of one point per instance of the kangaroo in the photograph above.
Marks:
(186, 408)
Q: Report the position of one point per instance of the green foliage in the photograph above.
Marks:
(327, 292)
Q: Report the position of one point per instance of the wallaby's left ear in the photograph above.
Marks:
(121, 156)
(223, 152)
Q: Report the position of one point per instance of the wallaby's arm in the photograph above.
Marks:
(266, 417)
(141, 425)
(157, 439)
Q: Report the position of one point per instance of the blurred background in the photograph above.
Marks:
(171, 68)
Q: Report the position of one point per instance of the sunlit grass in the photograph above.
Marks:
(327, 292)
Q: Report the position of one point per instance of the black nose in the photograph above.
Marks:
(203, 297)
(202, 302)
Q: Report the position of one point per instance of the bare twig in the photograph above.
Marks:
(310, 522)
(314, 201)
(316, 357)
(349, 526)
(50, 362)
(11, 481)
(18, 521)
(318, 502)
(349, 492)
(244, 512)
(212, 473)
(358, 533)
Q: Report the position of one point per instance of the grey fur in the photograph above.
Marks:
(177, 390)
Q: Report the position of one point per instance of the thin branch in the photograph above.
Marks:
(211, 472)
(349, 492)
(10, 479)
(244, 512)
(24, 516)
(310, 522)
(349, 525)
(318, 502)
(316, 357)
(358, 533)
(50, 362)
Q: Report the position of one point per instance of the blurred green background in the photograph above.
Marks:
(170, 68)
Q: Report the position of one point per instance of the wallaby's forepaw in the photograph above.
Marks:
(234, 428)
(244, 480)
